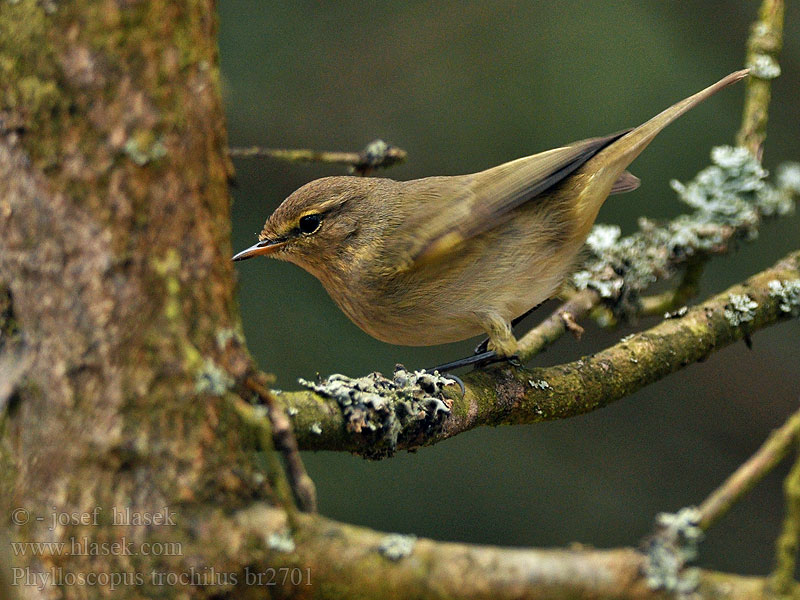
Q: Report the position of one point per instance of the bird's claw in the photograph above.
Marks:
(514, 361)
(457, 379)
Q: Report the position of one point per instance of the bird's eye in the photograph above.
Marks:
(310, 223)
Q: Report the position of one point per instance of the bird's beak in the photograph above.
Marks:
(264, 247)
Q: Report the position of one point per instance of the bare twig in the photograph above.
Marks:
(278, 481)
(659, 304)
(554, 326)
(375, 155)
(302, 485)
(782, 579)
(751, 472)
(763, 47)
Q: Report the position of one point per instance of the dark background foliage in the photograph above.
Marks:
(467, 85)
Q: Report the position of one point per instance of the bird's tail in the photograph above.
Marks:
(607, 166)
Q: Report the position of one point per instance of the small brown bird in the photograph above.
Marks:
(441, 259)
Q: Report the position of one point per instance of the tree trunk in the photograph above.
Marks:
(120, 338)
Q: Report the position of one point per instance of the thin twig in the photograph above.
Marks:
(275, 472)
(559, 321)
(751, 472)
(376, 155)
(782, 579)
(302, 485)
(763, 47)
(659, 304)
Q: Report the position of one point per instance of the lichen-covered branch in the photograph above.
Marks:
(505, 395)
(375, 155)
(728, 201)
(677, 536)
(763, 47)
(355, 562)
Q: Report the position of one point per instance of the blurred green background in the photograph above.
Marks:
(463, 86)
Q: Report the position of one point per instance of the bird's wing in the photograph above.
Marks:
(480, 202)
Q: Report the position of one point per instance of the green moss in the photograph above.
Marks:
(35, 95)
(168, 268)
(29, 76)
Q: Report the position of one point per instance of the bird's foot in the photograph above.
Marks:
(477, 361)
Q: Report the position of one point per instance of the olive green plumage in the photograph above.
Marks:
(441, 259)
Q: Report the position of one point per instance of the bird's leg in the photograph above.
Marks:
(479, 360)
(484, 345)
(501, 340)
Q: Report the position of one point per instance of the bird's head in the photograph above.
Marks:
(317, 224)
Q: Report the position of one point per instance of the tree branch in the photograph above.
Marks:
(763, 47)
(677, 297)
(750, 473)
(503, 395)
(558, 323)
(782, 579)
(375, 155)
(379, 565)
(301, 484)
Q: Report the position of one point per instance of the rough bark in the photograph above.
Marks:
(114, 234)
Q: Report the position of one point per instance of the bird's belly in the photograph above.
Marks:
(444, 303)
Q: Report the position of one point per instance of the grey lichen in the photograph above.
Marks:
(212, 379)
(603, 237)
(787, 177)
(396, 546)
(410, 406)
(727, 199)
(539, 384)
(741, 308)
(281, 541)
(378, 154)
(764, 67)
(142, 150)
(677, 314)
(675, 543)
(227, 335)
(788, 294)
